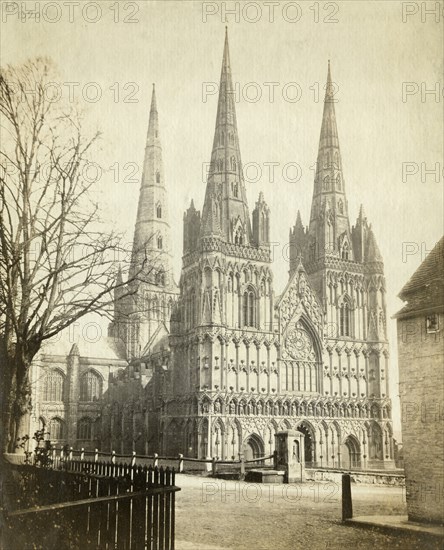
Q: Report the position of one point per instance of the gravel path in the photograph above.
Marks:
(212, 514)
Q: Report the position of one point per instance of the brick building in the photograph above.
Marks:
(420, 326)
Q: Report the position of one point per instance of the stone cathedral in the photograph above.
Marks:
(219, 363)
(245, 363)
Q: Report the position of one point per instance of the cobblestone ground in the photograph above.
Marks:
(212, 514)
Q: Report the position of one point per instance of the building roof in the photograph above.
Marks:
(431, 269)
(425, 288)
(103, 348)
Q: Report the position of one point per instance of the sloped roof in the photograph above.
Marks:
(425, 289)
(431, 270)
(372, 253)
(158, 341)
(106, 347)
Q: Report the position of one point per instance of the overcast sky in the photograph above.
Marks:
(373, 54)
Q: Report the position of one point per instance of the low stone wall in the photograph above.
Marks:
(369, 477)
(15, 458)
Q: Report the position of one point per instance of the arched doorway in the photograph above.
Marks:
(308, 443)
(253, 447)
(352, 455)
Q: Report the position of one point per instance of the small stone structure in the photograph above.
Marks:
(290, 455)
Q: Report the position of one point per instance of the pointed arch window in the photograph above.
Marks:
(84, 429)
(312, 251)
(341, 206)
(239, 236)
(236, 190)
(326, 183)
(155, 308)
(344, 319)
(90, 387)
(56, 428)
(263, 227)
(159, 210)
(53, 387)
(157, 177)
(345, 251)
(193, 308)
(159, 242)
(160, 278)
(249, 308)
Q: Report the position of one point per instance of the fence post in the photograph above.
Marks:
(113, 457)
(70, 453)
(96, 455)
(213, 466)
(347, 505)
(82, 454)
(180, 468)
(242, 465)
(62, 453)
(156, 460)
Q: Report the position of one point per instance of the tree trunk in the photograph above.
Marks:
(15, 399)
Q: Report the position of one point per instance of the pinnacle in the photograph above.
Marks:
(119, 278)
(298, 218)
(74, 350)
(362, 215)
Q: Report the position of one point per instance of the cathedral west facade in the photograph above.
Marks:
(245, 363)
(220, 363)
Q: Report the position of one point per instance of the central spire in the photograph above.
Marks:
(225, 212)
(329, 165)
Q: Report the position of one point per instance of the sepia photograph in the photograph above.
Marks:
(221, 275)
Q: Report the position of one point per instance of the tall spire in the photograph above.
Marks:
(225, 212)
(329, 164)
(152, 231)
(329, 223)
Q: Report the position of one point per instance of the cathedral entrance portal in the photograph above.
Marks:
(351, 453)
(253, 447)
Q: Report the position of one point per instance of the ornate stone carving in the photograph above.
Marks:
(298, 343)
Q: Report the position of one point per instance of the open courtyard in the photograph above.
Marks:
(214, 514)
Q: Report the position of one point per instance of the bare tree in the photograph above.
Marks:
(56, 261)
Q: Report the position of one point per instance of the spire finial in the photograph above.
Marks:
(329, 92)
(153, 99)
